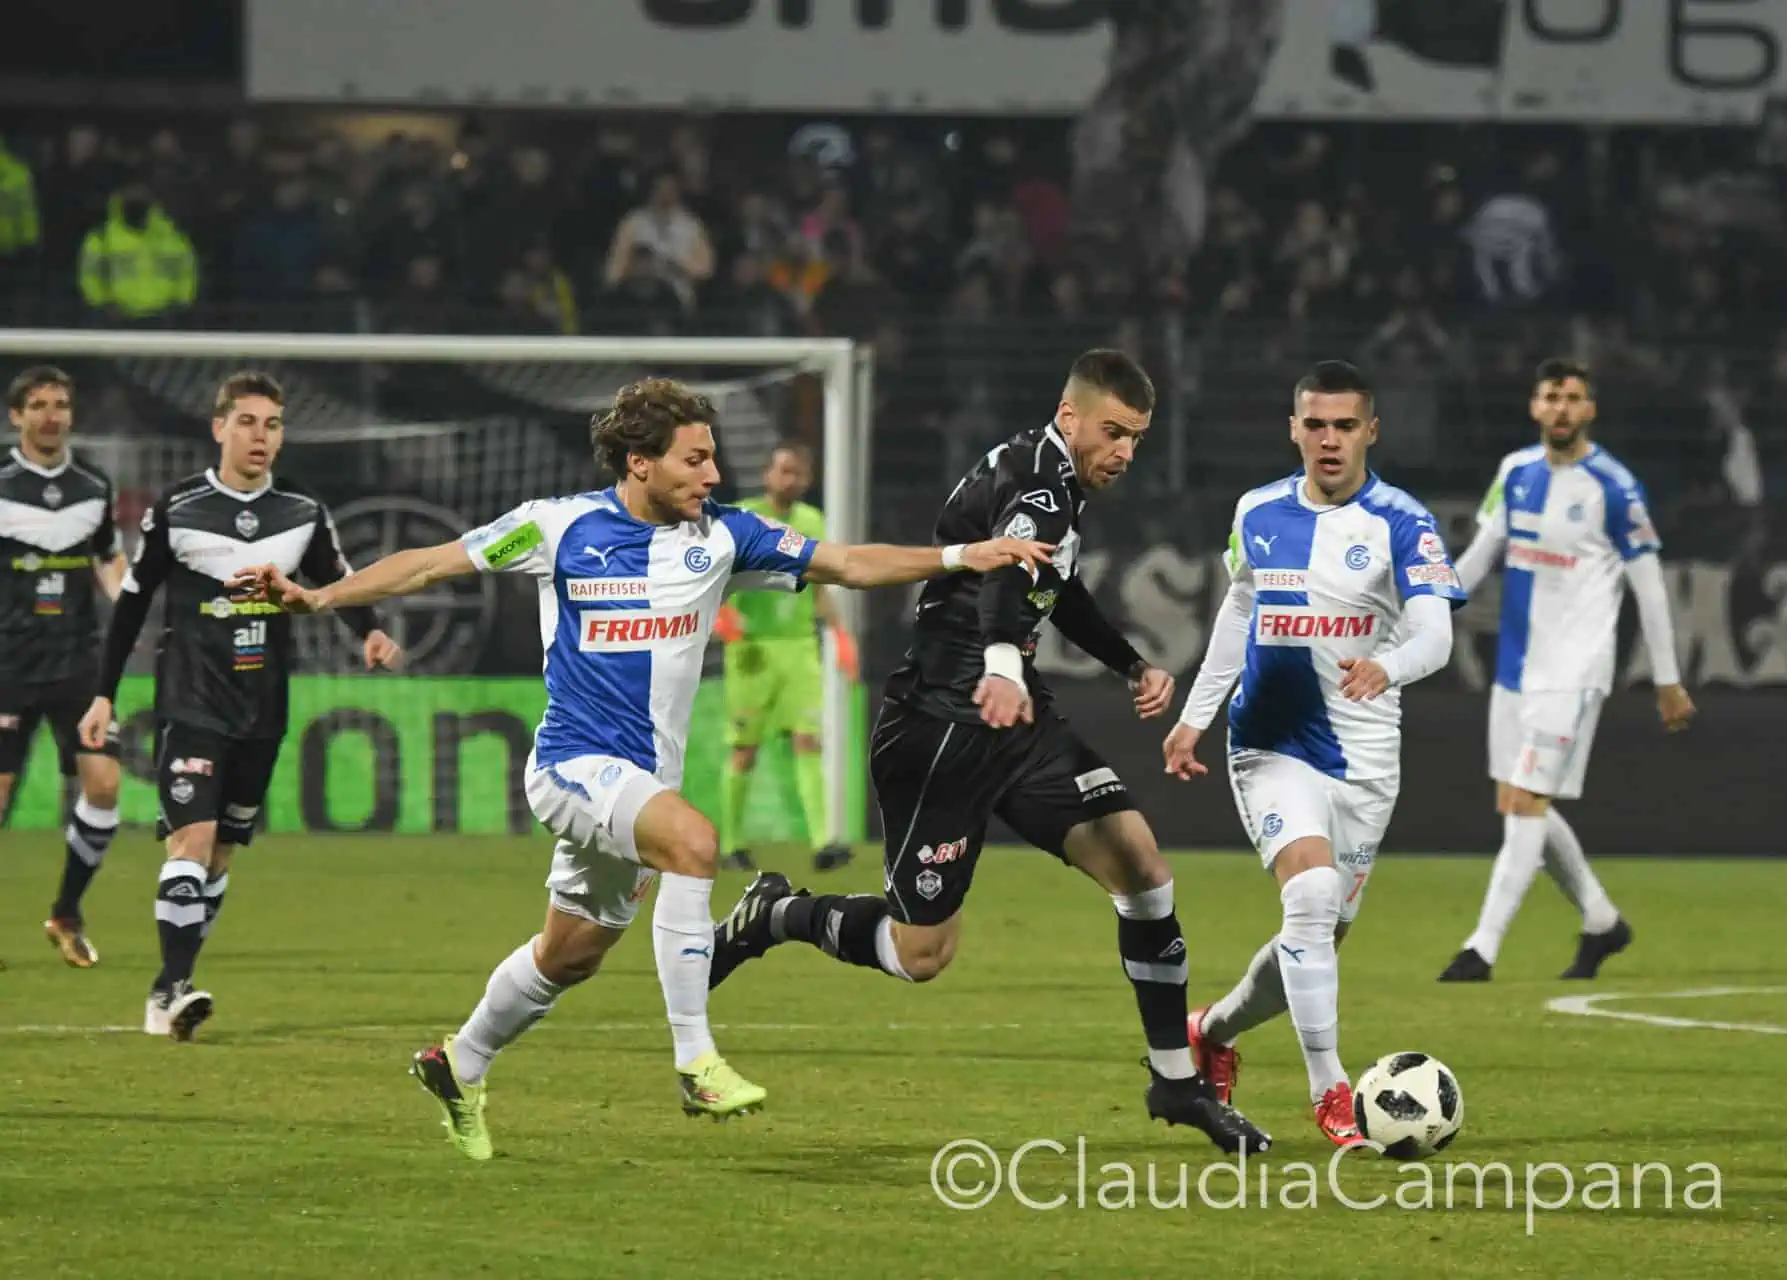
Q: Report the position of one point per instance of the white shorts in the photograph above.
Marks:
(1540, 741)
(591, 804)
(1281, 799)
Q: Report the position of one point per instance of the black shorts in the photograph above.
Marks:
(61, 706)
(205, 777)
(939, 781)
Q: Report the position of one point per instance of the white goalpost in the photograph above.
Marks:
(470, 462)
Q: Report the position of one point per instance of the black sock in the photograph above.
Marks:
(87, 841)
(1154, 960)
(841, 925)
(180, 920)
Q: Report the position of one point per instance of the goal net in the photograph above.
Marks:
(411, 440)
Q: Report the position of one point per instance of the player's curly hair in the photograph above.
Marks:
(643, 419)
(38, 375)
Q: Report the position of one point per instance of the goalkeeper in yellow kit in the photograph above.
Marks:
(774, 681)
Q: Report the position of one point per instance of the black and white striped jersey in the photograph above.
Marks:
(223, 664)
(54, 523)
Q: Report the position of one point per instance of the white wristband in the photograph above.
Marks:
(1004, 661)
(952, 556)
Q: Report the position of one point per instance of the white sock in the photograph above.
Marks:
(1568, 865)
(1258, 997)
(683, 939)
(1311, 971)
(885, 950)
(1523, 849)
(516, 997)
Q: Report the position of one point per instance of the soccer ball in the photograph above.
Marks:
(1409, 1104)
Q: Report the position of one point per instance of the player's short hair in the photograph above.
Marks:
(249, 382)
(643, 419)
(1335, 377)
(1560, 368)
(38, 375)
(1114, 373)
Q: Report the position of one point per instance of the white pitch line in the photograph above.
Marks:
(1588, 1007)
(419, 1028)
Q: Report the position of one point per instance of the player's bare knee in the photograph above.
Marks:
(1302, 855)
(744, 759)
(806, 744)
(693, 849)
(220, 858)
(924, 952)
(1119, 852)
(5, 792)
(570, 949)
(193, 843)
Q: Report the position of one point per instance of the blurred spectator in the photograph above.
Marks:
(641, 301)
(853, 300)
(547, 288)
(19, 230)
(673, 240)
(279, 249)
(137, 264)
(1514, 249)
(749, 306)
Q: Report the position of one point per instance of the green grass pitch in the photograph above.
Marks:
(290, 1141)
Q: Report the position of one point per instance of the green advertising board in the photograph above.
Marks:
(419, 754)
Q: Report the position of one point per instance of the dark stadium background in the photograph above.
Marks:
(958, 245)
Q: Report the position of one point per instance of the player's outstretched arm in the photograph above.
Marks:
(874, 564)
(401, 573)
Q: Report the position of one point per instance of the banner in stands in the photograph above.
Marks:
(1681, 61)
(419, 754)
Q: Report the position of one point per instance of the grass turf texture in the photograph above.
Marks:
(290, 1141)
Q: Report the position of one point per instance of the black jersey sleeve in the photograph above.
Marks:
(154, 559)
(324, 563)
(1078, 617)
(1029, 506)
(105, 543)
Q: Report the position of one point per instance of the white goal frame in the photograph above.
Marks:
(846, 369)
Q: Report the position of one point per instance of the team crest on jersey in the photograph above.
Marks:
(697, 559)
(1021, 526)
(52, 495)
(1272, 825)
(247, 523)
(1358, 556)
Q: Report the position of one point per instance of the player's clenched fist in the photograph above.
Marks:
(996, 553)
(1180, 750)
(96, 724)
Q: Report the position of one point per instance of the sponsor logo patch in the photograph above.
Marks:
(1299, 624)
(583, 589)
(1429, 546)
(622, 630)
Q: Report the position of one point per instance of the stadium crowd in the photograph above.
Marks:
(1445, 259)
